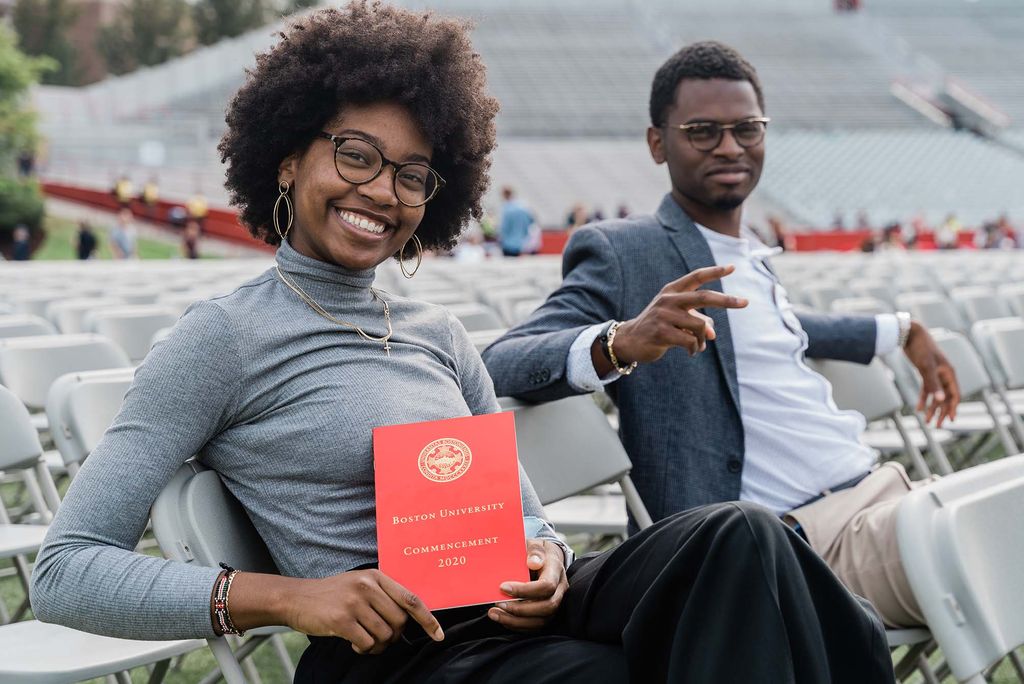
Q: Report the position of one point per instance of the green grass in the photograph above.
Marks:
(60, 243)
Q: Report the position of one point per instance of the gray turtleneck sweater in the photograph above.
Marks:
(281, 403)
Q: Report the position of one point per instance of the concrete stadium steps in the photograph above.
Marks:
(892, 175)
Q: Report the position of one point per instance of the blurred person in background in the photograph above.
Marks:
(21, 244)
(150, 197)
(681, 318)
(947, 236)
(124, 236)
(577, 217)
(778, 232)
(382, 136)
(190, 239)
(516, 219)
(85, 241)
(123, 191)
(26, 163)
(198, 209)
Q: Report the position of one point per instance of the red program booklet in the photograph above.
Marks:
(449, 508)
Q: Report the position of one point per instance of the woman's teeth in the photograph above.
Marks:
(362, 222)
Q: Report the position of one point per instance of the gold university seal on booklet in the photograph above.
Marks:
(444, 460)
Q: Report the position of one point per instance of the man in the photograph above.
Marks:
(720, 405)
(124, 236)
(516, 221)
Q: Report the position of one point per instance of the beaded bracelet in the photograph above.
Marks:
(221, 593)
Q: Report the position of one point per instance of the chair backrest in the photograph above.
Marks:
(860, 305)
(820, 296)
(482, 339)
(962, 548)
(81, 406)
(25, 325)
(29, 365)
(132, 327)
(1013, 295)
(979, 303)
(197, 520)
(931, 309)
(475, 316)
(566, 446)
(870, 389)
(970, 370)
(1002, 342)
(19, 441)
(67, 314)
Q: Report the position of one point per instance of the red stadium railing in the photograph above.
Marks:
(223, 223)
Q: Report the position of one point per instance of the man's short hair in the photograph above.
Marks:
(705, 60)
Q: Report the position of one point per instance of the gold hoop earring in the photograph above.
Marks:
(283, 189)
(419, 257)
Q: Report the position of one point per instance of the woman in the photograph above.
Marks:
(365, 134)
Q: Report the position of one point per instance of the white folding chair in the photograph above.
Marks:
(979, 303)
(567, 447)
(933, 310)
(81, 406)
(29, 365)
(974, 381)
(67, 314)
(197, 520)
(1013, 295)
(20, 451)
(132, 327)
(475, 316)
(25, 325)
(482, 339)
(872, 392)
(963, 552)
(860, 305)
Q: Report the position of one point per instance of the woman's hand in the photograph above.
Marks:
(541, 597)
(364, 607)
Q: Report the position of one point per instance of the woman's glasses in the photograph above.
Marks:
(359, 161)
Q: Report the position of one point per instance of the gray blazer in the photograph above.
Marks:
(679, 417)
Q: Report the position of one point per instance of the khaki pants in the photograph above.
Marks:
(854, 530)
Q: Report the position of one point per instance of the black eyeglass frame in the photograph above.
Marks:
(722, 128)
(339, 140)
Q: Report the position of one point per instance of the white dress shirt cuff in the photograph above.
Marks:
(579, 367)
(887, 336)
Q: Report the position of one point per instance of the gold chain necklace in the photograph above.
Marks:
(320, 310)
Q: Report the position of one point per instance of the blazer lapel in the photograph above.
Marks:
(695, 253)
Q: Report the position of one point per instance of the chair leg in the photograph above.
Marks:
(1017, 665)
(36, 496)
(926, 670)
(229, 667)
(1004, 434)
(49, 487)
(912, 451)
(123, 678)
(282, 653)
(159, 671)
(934, 448)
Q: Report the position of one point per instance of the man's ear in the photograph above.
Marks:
(655, 142)
(286, 169)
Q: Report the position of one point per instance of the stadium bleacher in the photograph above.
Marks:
(573, 80)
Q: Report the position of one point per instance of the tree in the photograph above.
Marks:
(43, 26)
(145, 33)
(20, 200)
(217, 19)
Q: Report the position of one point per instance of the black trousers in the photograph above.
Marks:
(720, 594)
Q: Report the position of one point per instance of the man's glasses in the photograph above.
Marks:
(359, 161)
(707, 135)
